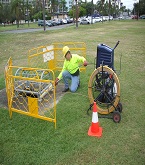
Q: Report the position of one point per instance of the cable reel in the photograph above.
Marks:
(104, 89)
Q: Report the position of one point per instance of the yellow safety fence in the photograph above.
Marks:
(51, 56)
(31, 91)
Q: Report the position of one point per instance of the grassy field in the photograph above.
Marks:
(30, 141)
(21, 26)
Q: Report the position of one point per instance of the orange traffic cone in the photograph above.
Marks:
(94, 129)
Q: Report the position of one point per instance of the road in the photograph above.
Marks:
(39, 29)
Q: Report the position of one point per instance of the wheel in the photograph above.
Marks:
(116, 116)
(104, 88)
(119, 107)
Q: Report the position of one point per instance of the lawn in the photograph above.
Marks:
(21, 26)
(30, 141)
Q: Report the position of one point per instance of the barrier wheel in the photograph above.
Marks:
(104, 88)
(116, 116)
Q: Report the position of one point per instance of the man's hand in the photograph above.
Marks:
(56, 81)
(85, 63)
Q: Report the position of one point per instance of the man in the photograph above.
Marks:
(70, 70)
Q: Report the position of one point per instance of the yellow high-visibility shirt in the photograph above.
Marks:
(73, 65)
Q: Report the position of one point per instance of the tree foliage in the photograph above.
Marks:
(5, 13)
(139, 7)
(22, 10)
(16, 8)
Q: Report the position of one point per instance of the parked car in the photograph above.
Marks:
(85, 21)
(134, 17)
(127, 17)
(64, 21)
(41, 23)
(50, 22)
(69, 20)
(60, 21)
(120, 17)
(111, 18)
(97, 19)
(103, 18)
(54, 22)
(142, 17)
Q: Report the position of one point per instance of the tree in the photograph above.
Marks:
(5, 14)
(16, 7)
(53, 6)
(99, 6)
(89, 8)
(139, 8)
(37, 6)
(38, 15)
(27, 10)
(63, 5)
(1, 13)
(82, 12)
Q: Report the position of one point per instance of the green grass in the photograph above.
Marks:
(21, 26)
(26, 140)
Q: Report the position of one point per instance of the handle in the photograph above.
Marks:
(116, 44)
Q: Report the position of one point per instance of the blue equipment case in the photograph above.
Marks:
(105, 55)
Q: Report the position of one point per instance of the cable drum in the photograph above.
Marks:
(104, 88)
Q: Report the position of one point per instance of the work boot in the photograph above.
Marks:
(65, 89)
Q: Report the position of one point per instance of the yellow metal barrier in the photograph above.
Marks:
(51, 56)
(31, 91)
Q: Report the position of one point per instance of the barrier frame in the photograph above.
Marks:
(32, 108)
(56, 49)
